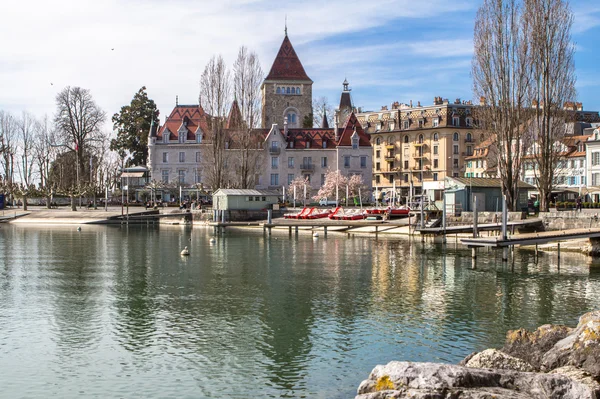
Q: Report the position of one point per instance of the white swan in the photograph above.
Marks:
(185, 251)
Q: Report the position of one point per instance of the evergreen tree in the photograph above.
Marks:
(132, 124)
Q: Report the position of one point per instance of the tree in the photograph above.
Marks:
(501, 70)
(26, 134)
(215, 89)
(321, 106)
(45, 154)
(78, 121)
(297, 188)
(334, 182)
(8, 148)
(132, 124)
(548, 24)
(247, 79)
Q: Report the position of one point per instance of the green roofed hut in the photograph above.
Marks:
(460, 192)
(232, 199)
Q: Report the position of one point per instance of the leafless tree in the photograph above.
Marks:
(321, 106)
(247, 78)
(215, 90)
(45, 154)
(25, 147)
(8, 148)
(78, 121)
(501, 70)
(548, 24)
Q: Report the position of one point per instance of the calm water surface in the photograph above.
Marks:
(117, 312)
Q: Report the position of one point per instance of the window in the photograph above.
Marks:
(572, 180)
(455, 136)
(455, 121)
(346, 161)
(274, 179)
(436, 136)
(595, 160)
(435, 176)
(455, 163)
(377, 154)
(355, 142)
(256, 198)
(420, 139)
(322, 179)
(182, 157)
(279, 90)
(307, 178)
(469, 150)
(307, 143)
(378, 140)
(470, 164)
(436, 122)
(405, 164)
(406, 124)
(406, 178)
(252, 198)
(581, 163)
(166, 134)
(182, 136)
(165, 157)
(165, 176)
(435, 150)
(274, 162)
(391, 178)
(198, 156)
(435, 164)
(288, 91)
(291, 162)
(324, 143)
(455, 149)
(324, 162)
(290, 178)
(197, 176)
(297, 90)
(583, 180)
(406, 139)
(455, 174)
(293, 90)
(377, 166)
(469, 138)
(377, 179)
(181, 176)
(363, 162)
(469, 122)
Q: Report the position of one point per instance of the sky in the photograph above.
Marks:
(388, 50)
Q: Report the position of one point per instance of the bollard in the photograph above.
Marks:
(269, 216)
(325, 231)
(474, 253)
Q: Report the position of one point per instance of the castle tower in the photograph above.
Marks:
(287, 90)
(345, 108)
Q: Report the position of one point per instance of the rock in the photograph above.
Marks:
(579, 375)
(445, 381)
(494, 359)
(581, 348)
(531, 346)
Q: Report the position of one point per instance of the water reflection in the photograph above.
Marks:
(254, 315)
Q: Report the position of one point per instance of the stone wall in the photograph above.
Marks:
(569, 220)
(482, 217)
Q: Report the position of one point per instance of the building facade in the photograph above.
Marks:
(416, 147)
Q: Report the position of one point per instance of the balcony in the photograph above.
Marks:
(307, 167)
(419, 155)
(390, 158)
(274, 150)
(389, 146)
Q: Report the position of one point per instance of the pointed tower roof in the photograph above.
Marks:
(324, 121)
(235, 120)
(287, 65)
(351, 127)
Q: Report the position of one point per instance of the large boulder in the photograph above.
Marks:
(445, 381)
(531, 346)
(494, 359)
(579, 375)
(581, 348)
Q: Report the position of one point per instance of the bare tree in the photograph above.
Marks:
(26, 134)
(215, 90)
(78, 120)
(45, 154)
(548, 24)
(8, 149)
(247, 78)
(321, 107)
(501, 70)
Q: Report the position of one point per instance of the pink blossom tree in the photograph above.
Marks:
(356, 186)
(299, 183)
(333, 179)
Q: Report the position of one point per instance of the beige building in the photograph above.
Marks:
(416, 147)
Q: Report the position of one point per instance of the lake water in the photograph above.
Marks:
(117, 312)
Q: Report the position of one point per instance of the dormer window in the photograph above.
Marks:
(469, 122)
(307, 143)
(165, 136)
(355, 142)
(455, 121)
(292, 144)
(198, 136)
(324, 143)
(436, 122)
(406, 125)
(392, 125)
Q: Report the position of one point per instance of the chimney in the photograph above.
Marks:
(481, 101)
(579, 106)
(337, 134)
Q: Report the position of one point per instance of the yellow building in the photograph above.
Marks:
(416, 147)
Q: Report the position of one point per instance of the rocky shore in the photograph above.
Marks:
(551, 362)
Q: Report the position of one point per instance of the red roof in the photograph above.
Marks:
(316, 138)
(192, 115)
(287, 65)
(235, 120)
(348, 130)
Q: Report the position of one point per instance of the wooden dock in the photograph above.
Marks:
(531, 238)
(480, 227)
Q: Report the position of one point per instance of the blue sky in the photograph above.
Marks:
(389, 50)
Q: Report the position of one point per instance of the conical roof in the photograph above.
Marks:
(235, 120)
(287, 65)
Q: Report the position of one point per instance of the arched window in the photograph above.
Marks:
(406, 139)
(469, 137)
(378, 140)
(287, 91)
(420, 139)
(297, 90)
(436, 136)
(293, 90)
(279, 90)
(455, 137)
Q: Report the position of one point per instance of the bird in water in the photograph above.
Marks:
(79, 228)
(185, 251)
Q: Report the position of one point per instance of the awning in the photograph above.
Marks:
(132, 174)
